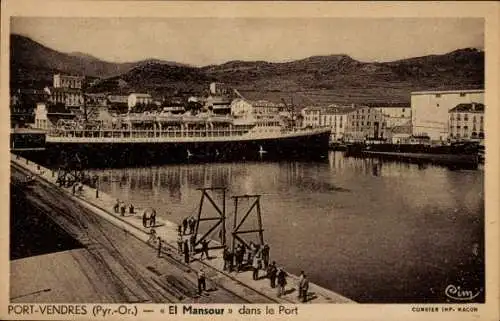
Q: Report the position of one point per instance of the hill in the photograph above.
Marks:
(32, 64)
(313, 80)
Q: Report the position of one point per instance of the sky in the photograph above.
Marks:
(205, 41)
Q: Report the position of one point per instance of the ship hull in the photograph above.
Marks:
(120, 154)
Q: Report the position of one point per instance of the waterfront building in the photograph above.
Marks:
(311, 116)
(117, 103)
(240, 106)
(219, 89)
(22, 105)
(68, 81)
(67, 90)
(335, 117)
(138, 99)
(466, 121)
(48, 116)
(70, 97)
(365, 123)
(430, 110)
(396, 114)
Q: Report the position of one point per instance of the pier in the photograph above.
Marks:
(129, 269)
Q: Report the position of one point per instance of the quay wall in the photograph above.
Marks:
(102, 206)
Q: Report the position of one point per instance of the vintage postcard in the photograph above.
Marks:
(241, 160)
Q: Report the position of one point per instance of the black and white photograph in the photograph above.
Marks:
(285, 161)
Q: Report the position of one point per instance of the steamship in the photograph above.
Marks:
(155, 138)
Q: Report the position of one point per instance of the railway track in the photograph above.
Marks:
(138, 283)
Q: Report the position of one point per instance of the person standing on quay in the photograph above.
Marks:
(202, 285)
(303, 286)
(271, 274)
(180, 243)
(225, 256)
(265, 255)
(152, 219)
(192, 224)
(159, 246)
(204, 249)
(186, 251)
(281, 278)
(184, 225)
(192, 243)
(255, 267)
(240, 253)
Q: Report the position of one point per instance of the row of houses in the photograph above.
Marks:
(437, 115)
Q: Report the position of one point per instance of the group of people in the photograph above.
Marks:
(121, 208)
(187, 247)
(188, 226)
(257, 257)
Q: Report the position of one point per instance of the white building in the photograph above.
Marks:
(258, 107)
(135, 99)
(65, 81)
(430, 110)
(467, 122)
(336, 118)
(219, 89)
(311, 116)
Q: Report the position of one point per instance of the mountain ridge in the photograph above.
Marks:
(321, 78)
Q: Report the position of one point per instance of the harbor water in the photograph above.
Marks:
(374, 231)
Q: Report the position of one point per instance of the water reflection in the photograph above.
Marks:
(351, 223)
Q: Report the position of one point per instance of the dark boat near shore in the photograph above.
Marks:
(462, 155)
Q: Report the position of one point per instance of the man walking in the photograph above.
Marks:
(204, 249)
(281, 278)
(202, 285)
(271, 274)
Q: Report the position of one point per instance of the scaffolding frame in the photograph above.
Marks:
(236, 226)
(220, 220)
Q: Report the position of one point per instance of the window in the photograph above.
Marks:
(437, 105)
(463, 94)
(466, 117)
(458, 116)
(403, 111)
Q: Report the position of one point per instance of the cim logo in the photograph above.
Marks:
(457, 293)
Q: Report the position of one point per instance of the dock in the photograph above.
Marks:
(238, 287)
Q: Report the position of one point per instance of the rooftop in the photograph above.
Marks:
(468, 108)
(468, 91)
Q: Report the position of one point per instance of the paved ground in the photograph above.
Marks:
(128, 247)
